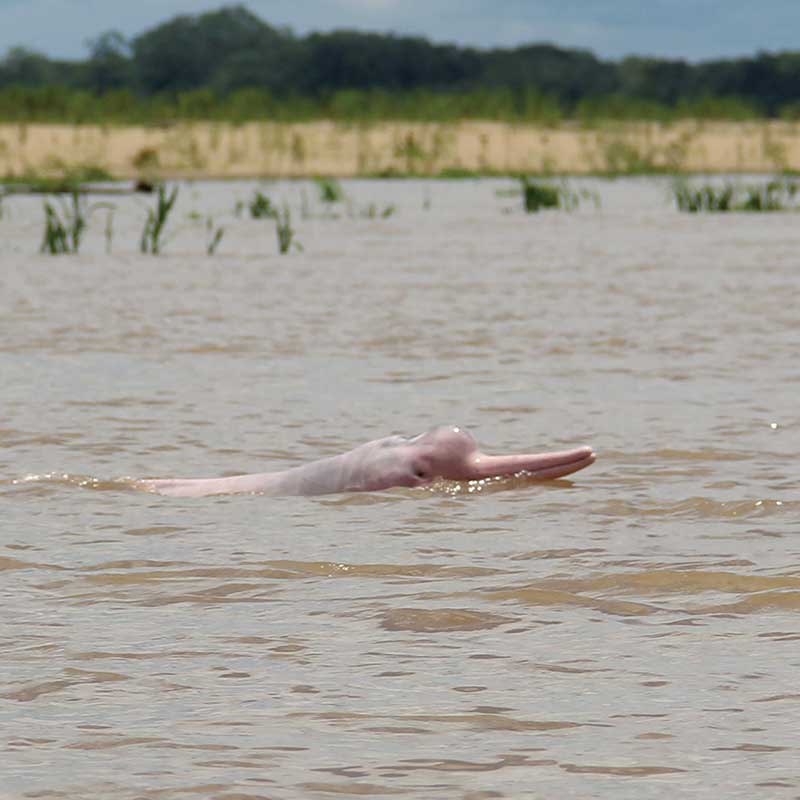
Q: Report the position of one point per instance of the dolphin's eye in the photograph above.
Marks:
(420, 473)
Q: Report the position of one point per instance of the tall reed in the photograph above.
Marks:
(64, 226)
(151, 241)
(703, 198)
(214, 236)
(109, 228)
(285, 231)
(538, 195)
(777, 194)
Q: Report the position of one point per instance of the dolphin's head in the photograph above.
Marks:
(441, 452)
(450, 452)
(384, 463)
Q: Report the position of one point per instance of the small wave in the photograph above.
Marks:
(429, 620)
(755, 603)
(756, 593)
(682, 581)
(477, 720)
(698, 508)
(72, 677)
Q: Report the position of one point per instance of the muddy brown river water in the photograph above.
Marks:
(631, 632)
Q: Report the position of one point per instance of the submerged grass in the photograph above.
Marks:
(703, 198)
(108, 231)
(373, 211)
(260, 206)
(285, 231)
(542, 194)
(330, 190)
(214, 236)
(777, 194)
(537, 195)
(64, 225)
(151, 239)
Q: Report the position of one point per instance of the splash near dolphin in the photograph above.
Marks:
(447, 452)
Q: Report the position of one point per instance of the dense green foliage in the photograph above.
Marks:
(230, 65)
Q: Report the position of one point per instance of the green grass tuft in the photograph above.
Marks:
(330, 190)
(777, 194)
(285, 231)
(151, 240)
(261, 207)
(538, 195)
(64, 226)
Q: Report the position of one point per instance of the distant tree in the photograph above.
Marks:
(356, 60)
(171, 58)
(230, 48)
(110, 65)
(567, 75)
(23, 67)
(769, 81)
(230, 62)
(660, 80)
(272, 65)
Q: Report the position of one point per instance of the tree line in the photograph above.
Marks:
(229, 64)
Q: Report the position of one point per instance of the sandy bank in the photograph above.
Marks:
(325, 148)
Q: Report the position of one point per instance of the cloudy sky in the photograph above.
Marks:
(691, 29)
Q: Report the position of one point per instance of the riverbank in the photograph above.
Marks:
(264, 149)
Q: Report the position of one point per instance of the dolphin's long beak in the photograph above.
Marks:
(535, 465)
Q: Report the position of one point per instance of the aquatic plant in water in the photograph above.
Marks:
(330, 190)
(285, 231)
(777, 194)
(538, 195)
(214, 236)
(703, 198)
(261, 206)
(153, 230)
(64, 226)
(109, 228)
(372, 211)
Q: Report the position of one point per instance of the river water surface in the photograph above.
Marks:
(630, 632)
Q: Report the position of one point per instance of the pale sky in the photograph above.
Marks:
(690, 29)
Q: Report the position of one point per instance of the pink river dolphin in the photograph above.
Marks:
(445, 452)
